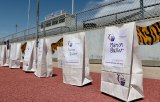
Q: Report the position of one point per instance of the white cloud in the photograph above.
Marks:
(123, 6)
(92, 3)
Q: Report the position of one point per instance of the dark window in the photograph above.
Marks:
(89, 25)
(54, 22)
(41, 25)
(61, 20)
(48, 23)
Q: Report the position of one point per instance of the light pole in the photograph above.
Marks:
(142, 9)
(37, 26)
(72, 7)
(29, 3)
(37, 22)
(16, 28)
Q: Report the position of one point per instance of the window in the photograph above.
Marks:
(54, 22)
(41, 25)
(48, 23)
(61, 20)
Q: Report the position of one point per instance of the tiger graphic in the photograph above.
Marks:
(23, 47)
(148, 35)
(54, 46)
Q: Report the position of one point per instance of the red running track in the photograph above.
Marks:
(18, 86)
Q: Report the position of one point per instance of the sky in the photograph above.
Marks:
(14, 12)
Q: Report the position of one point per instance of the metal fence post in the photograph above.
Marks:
(76, 20)
(142, 9)
(44, 29)
(116, 17)
(24, 34)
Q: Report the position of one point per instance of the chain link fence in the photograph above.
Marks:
(117, 12)
(105, 13)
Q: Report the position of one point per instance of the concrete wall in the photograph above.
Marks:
(94, 39)
(150, 54)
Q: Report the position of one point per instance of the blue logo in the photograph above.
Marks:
(111, 37)
(121, 79)
(70, 43)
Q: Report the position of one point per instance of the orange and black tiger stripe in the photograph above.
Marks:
(54, 46)
(23, 47)
(148, 35)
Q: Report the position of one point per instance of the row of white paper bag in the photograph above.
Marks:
(40, 63)
(121, 74)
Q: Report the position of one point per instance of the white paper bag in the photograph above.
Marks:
(0, 54)
(15, 55)
(4, 56)
(44, 59)
(28, 57)
(49, 58)
(7, 57)
(122, 74)
(60, 57)
(76, 61)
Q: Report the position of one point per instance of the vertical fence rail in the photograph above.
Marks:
(142, 9)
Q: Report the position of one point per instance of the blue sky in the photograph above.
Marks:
(14, 12)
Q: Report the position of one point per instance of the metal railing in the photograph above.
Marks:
(22, 35)
(117, 12)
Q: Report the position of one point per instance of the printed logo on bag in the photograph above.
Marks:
(111, 37)
(70, 43)
(73, 50)
(115, 47)
(121, 79)
(16, 63)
